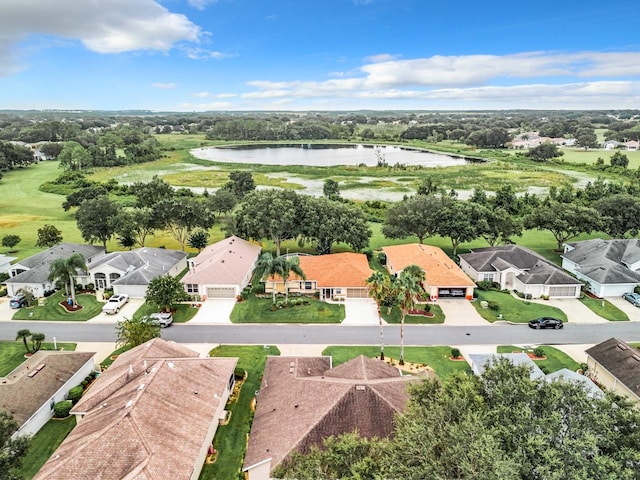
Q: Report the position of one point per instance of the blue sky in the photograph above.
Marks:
(201, 55)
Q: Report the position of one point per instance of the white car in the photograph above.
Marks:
(164, 319)
(115, 303)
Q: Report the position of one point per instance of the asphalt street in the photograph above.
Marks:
(339, 334)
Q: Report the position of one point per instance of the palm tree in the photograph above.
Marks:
(24, 334)
(267, 266)
(379, 285)
(287, 266)
(36, 341)
(407, 285)
(65, 270)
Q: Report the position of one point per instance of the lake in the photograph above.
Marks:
(326, 155)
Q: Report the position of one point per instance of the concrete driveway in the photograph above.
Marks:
(575, 310)
(216, 311)
(361, 311)
(632, 312)
(460, 312)
(125, 312)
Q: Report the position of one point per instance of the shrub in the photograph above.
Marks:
(79, 287)
(455, 352)
(538, 352)
(484, 285)
(382, 258)
(90, 287)
(3, 292)
(426, 307)
(75, 393)
(493, 305)
(62, 409)
(258, 288)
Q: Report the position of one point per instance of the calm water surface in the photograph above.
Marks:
(325, 155)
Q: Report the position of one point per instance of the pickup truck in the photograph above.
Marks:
(115, 303)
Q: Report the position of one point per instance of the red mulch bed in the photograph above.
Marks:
(70, 308)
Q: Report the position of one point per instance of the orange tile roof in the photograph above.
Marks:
(439, 269)
(335, 270)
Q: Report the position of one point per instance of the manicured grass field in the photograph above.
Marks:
(578, 155)
(52, 311)
(231, 439)
(396, 316)
(258, 310)
(44, 443)
(12, 353)
(605, 309)
(556, 359)
(184, 312)
(513, 309)
(436, 357)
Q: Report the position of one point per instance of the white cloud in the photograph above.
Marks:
(523, 80)
(103, 26)
(201, 4)
(214, 95)
(381, 57)
(163, 85)
(197, 53)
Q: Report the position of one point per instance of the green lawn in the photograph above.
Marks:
(605, 309)
(184, 312)
(44, 443)
(231, 439)
(436, 357)
(396, 316)
(258, 310)
(12, 353)
(556, 360)
(513, 309)
(52, 311)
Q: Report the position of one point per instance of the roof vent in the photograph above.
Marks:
(636, 357)
(129, 403)
(360, 387)
(622, 346)
(171, 365)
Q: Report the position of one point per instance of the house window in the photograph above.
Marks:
(337, 291)
(113, 277)
(487, 277)
(192, 288)
(308, 285)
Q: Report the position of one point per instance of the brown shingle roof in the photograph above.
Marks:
(22, 395)
(621, 360)
(302, 401)
(439, 269)
(146, 417)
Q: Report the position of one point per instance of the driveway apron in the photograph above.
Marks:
(460, 312)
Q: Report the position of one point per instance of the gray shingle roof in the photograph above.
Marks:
(570, 376)
(38, 265)
(538, 270)
(141, 265)
(481, 361)
(621, 360)
(604, 260)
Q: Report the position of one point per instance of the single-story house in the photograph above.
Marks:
(611, 145)
(443, 277)
(303, 400)
(30, 391)
(518, 268)
(222, 270)
(5, 263)
(481, 361)
(33, 272)
(615, 365)
(609, 268)
(131, 271)
(567, 375)
(335, 276)
(151, 415)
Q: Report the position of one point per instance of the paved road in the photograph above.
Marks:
(341, 335)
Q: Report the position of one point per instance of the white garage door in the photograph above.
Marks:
(221, 292)
(562, 291)
(357, 293)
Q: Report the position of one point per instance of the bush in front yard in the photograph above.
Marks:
(62, 409)
(493, 305)
(75, 393)
(538, 352)
(455, 352)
